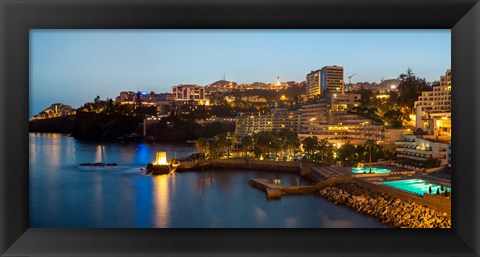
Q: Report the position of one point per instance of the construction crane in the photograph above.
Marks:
(350, 78)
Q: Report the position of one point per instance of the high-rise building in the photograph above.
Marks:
(326, 79)
(313, 85)
(332, 79)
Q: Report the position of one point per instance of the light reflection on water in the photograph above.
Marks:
(65, 195)
(162, 209)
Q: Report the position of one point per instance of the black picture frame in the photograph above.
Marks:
(18, 16)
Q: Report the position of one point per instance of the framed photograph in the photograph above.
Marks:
(161, 128)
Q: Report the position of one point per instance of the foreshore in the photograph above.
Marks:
(389, 206)
(385, 208)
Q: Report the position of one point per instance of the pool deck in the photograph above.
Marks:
(396, 172)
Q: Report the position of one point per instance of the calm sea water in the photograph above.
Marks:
(64, 195)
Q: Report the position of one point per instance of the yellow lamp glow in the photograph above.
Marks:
(161, 158)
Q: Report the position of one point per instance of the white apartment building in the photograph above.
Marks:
(433, 115)
(413, 148)
(329, 119)
(433, 108)
(251, 123)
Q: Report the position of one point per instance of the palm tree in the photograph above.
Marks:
(322, 148)
(348, 153)
(213, 150)
(288, 140)
(263, 141)
(310, 144)
(247, 142)
(370, 146)
(221, 143)
(202, 145)
(231, 141)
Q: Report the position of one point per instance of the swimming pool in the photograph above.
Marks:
(416, 186)
(367, 170)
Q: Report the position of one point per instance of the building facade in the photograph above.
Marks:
(313, 84)
(184, 93)
(414, 150)
(433, 108)
(329, 119)
(332, 79)
(326, 79)
(130, 97)
(433, 117)
(252, 123)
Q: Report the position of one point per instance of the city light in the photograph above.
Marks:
(161, 158)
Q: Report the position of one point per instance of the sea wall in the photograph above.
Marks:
(388, 210)
(439, 203)
(247, 164)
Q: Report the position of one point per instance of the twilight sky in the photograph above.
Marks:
(74, 66)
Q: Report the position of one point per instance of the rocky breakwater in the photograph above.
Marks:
(388, 210)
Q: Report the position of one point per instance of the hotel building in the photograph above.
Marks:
(328, 78)
(414, 149)
(162, 101)
(433, 108)
(185, 93)
(433, 116)
(313, 84)
(251, 123)
(130, 97)
(329, 119)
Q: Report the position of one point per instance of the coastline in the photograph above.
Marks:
(240, 163)
(385, 208)
(388, 206)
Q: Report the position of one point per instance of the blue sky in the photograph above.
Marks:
(74, 66)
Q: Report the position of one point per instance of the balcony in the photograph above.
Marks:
(420, 157)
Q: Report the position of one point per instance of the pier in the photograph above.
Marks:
(274, 191)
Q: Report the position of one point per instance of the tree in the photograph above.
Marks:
(349, 153)
(410, 88)
(265, 141)
(322, 149)
(221, 143)
(230, 142)
(202, 145)
(144, 111)
(247, 142)
(213, 151)
(370, 146)
(310, 144)
(396, 117)
(288, 140)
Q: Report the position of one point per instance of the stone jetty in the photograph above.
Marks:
(388, 210)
